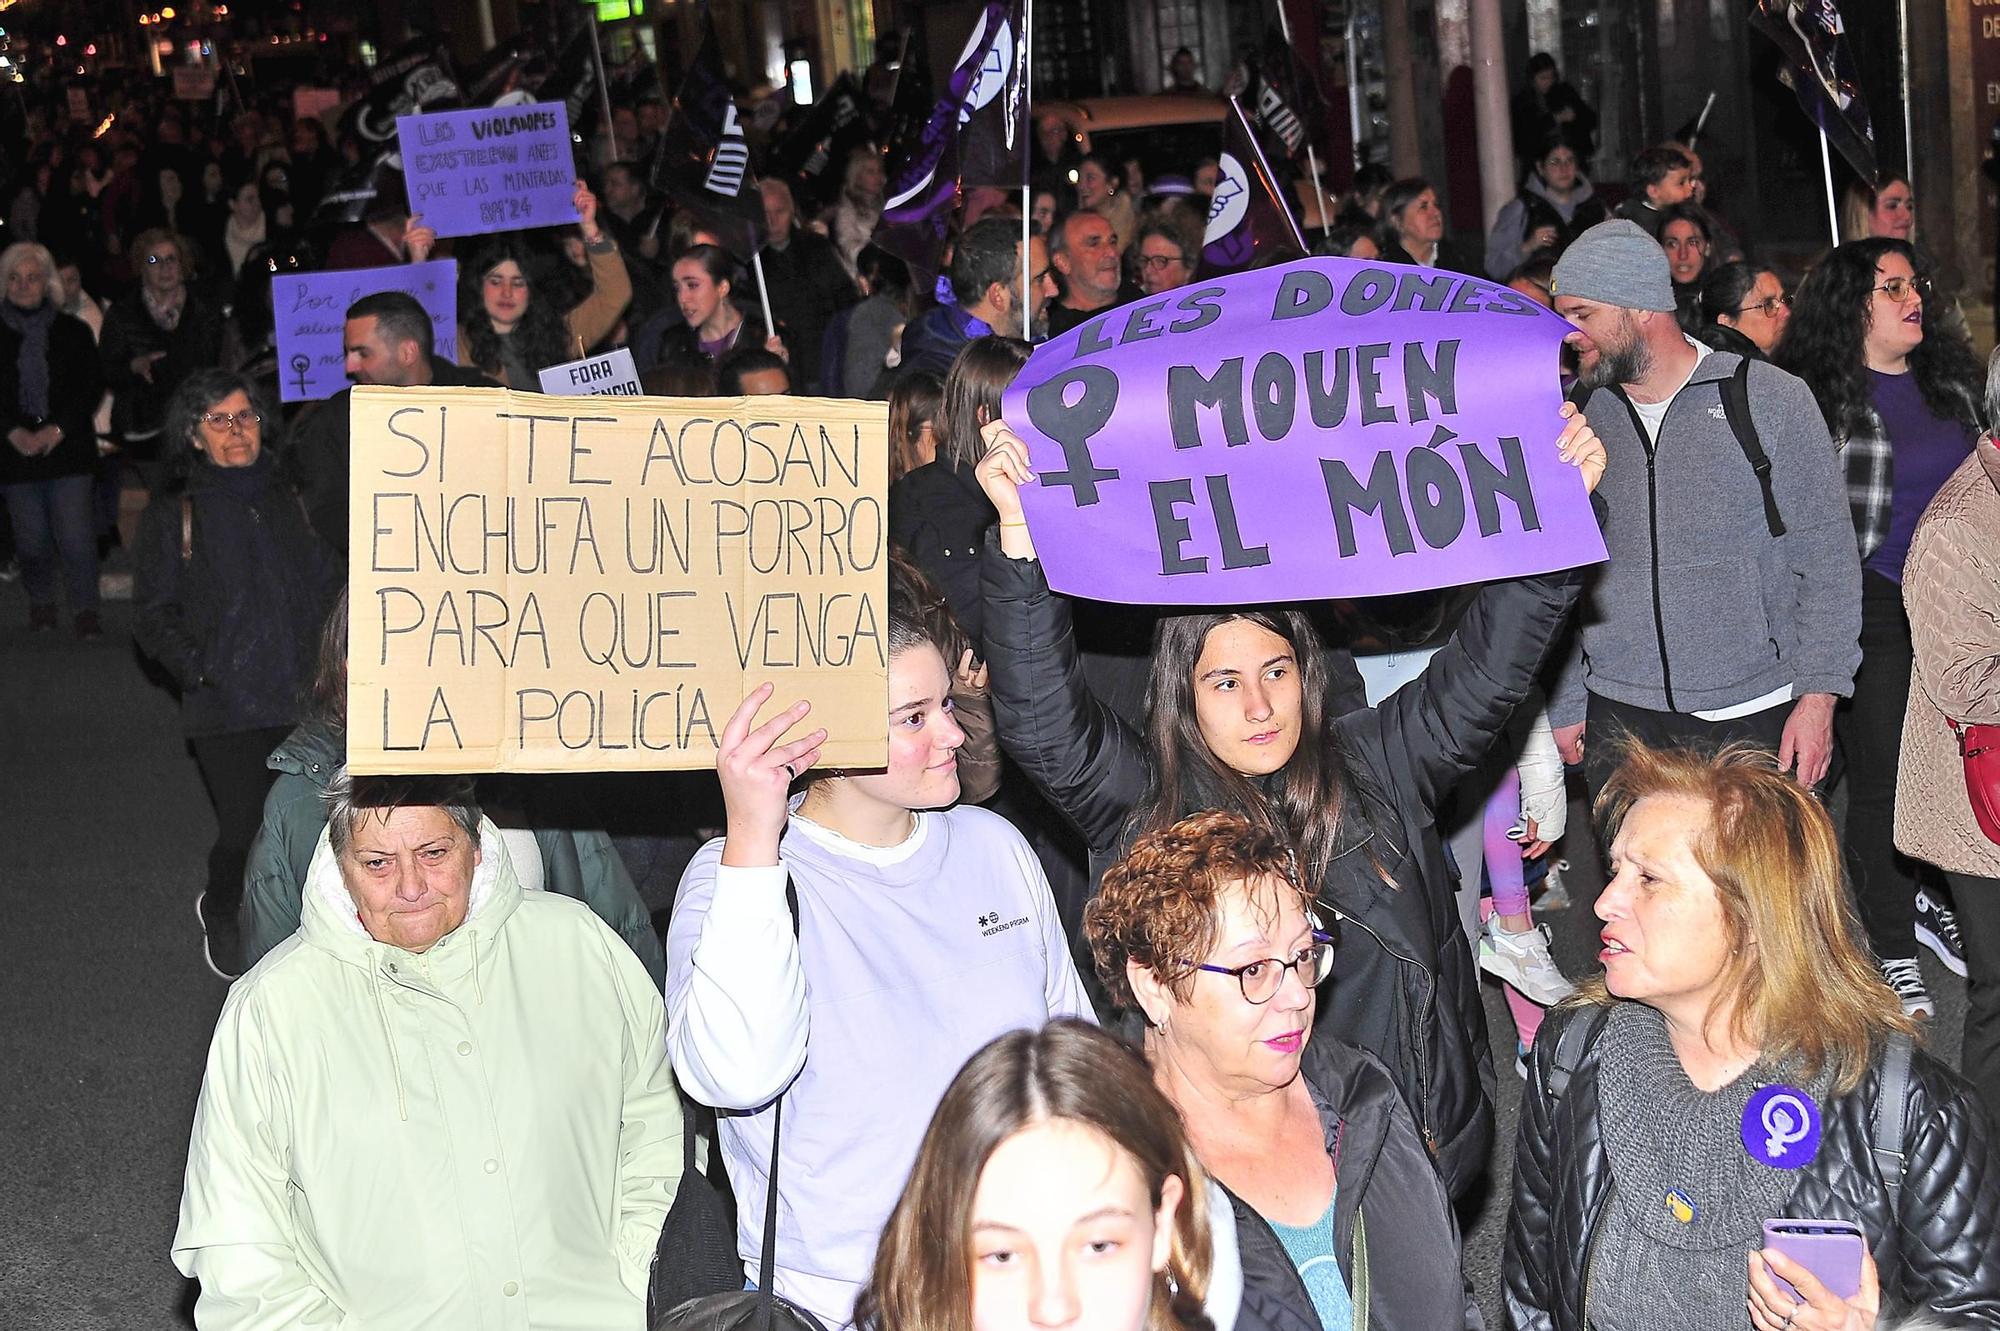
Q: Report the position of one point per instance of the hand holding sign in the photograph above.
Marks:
(1332, 427)
(585, 204)
(1001, 474)
(418, 239)
(756, 772)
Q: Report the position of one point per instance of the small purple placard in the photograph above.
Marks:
(497, 168)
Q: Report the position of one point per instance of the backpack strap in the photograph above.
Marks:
(1886, 1125)
(187, 528)
(1573, 1048)
(1736, 408)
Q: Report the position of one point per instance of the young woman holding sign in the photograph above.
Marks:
(918, 933)
(514, 336)
(1238, 719)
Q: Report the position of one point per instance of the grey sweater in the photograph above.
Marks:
(1699, 607)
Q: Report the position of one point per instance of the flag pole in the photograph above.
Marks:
(1701, 121)
(1027, 165)
(1269, 178)
(1826, 167)
(763, 293)
(603, 90)
(1312, 157)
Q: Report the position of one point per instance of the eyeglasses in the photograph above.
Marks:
(1900, 289)
(1768, 306)
(1261, 980)
(155, 260)
(1154, 263)
(223, 420)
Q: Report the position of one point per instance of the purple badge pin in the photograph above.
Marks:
(1781, 1127)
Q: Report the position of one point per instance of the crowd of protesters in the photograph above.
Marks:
(1277, 846)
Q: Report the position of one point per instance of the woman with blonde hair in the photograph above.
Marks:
(1739, 1060)
(1054, 1185)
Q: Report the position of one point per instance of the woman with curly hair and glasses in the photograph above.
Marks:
(1206, 931)
(1900, 394)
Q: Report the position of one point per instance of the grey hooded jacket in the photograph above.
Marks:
(1699, 606)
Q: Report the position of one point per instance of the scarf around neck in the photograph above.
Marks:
(32, 361)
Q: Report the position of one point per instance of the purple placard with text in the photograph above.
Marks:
(496, 168)
(311, 314)
(1326, 428)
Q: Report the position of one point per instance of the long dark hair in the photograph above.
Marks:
(543, 335)
(1302, 799)
(1824, 342)
(978, 376)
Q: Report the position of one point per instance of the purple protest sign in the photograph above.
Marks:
(497, 168)
(1325, 428)
(310, 310)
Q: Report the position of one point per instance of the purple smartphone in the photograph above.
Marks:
(1830, 1249)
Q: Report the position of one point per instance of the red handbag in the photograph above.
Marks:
(1979, 747)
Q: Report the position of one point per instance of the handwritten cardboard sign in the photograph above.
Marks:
(546, 584)
(311, 314)
(496, 168)
(1332, 427)
(193, 83)
(614, 374)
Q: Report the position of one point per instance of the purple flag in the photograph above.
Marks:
(1326, 428)
(1249, 225)
(1821, 73)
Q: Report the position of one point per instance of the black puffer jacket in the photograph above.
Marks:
(236, 621)
(1404, 986)
(1408, 1273)
(1939, 1253)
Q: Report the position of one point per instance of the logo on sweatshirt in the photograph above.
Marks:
(989, 924)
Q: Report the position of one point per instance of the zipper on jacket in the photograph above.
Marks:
(1653, 534)
(1421, 1058)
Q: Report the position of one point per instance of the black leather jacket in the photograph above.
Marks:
(1938, 1254)
(1404, 986)
(1407, 1276)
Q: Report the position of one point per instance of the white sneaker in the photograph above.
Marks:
(1908, 982)
(1523, 961)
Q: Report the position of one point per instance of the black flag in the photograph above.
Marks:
(703, 161)
(572, 80)
(1286, 98)
(1249, 225)
(1821, 73)
(417, 77)
(812, 157)
(991, 81)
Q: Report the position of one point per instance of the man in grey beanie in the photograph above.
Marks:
(1725, 612)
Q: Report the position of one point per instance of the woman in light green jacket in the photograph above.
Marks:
(574, 863)
(443, 1102)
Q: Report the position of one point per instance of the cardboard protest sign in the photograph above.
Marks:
(193, 83)
(1332, 427)
(611, 375)
(490, 169)
(545, 584)
(314, 103)
(311, 313)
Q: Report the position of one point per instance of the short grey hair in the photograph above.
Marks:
(25, 251)
(349, 798)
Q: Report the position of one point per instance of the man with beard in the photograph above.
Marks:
(1730, 608)
(986, 278)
